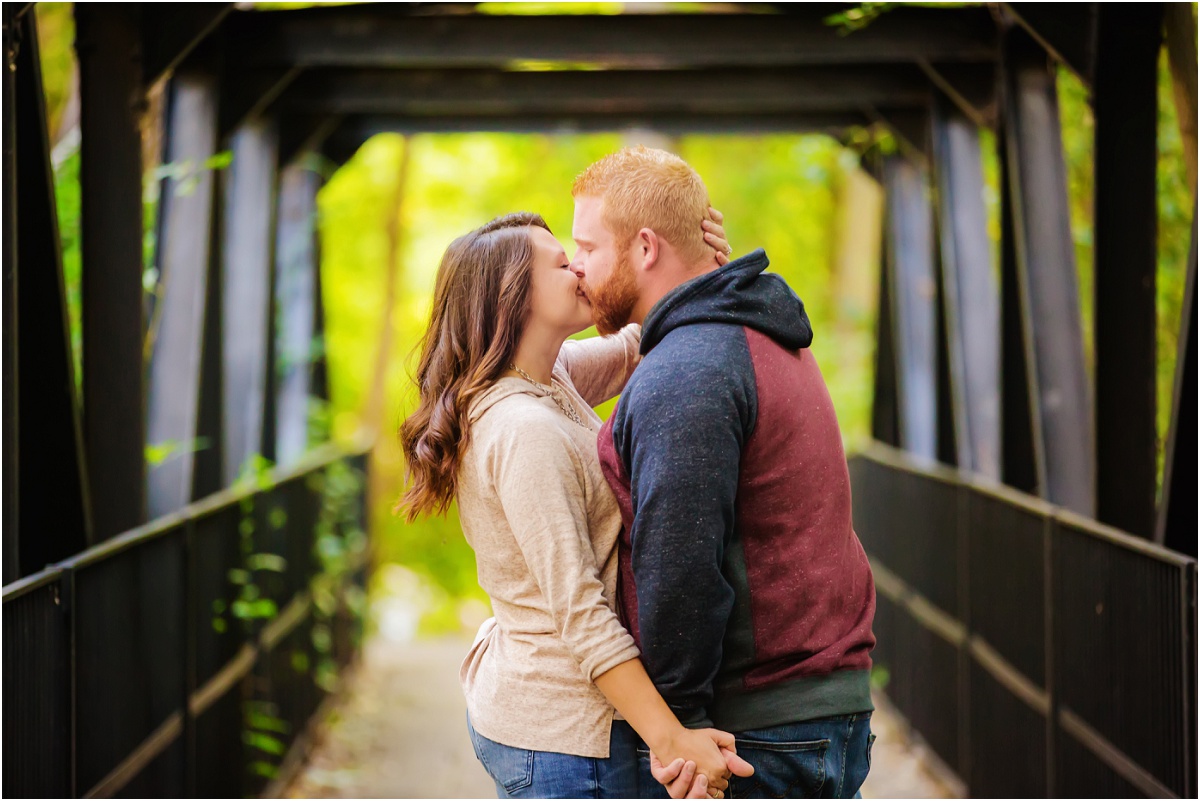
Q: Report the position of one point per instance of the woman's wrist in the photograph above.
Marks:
(665, 741)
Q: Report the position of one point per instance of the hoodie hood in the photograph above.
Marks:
(504, 387)
(739, 293)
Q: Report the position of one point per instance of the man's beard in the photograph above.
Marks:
(613, 301)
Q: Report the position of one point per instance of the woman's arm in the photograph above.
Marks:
(599, 367)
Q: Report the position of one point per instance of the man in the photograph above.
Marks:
(741, 577)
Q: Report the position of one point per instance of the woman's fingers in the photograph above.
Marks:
(716, 215)
(737, 765)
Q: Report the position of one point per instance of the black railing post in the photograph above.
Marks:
(52, 527)
(11, 488)
(1176, 525)
(108, 43)
(1125, 100)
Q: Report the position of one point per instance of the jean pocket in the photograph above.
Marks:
(870, 745)
(782, 769)
(509, 767)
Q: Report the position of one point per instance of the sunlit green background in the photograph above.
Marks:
(793, 195)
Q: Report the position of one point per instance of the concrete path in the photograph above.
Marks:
(399, 732)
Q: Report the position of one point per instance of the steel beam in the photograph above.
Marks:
(565, 93)
(1067, 31)
(1061, 401)
(12, 570)
(108, 42)
(295, 285)
(175, 362)
(352, 131)
(1176, 526)
(172, 30)
(972, 304)
(1125, 100)
(1018, 463)
(245, 284)
(912, 287)
(53, 518)
(388, 36)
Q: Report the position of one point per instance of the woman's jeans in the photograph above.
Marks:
(521, 773)
(823, 758)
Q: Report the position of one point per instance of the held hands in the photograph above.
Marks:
(714, 235)
(710, 775)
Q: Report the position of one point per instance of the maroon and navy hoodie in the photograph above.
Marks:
(741, 577)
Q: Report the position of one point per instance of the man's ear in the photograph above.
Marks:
(646, 249)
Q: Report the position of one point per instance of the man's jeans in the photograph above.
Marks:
(824, 758)
(521, 773)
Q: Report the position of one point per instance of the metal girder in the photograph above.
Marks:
(296, 269)
(186, 210)
(1060, 397)
(972, 303)
(246, 93)
(246, 263)
(108, 38)
(352, 131)
(885, 416)
(1066, 31)
(1176, 524)
(1177, 527)
(53, 520)
(11, 420)
(566, 93)
(1018, 464)
(1125, 100)
(912, 287)
(386, 36)
(170, 31)
(971, 87)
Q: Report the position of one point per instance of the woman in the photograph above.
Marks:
(505, 427)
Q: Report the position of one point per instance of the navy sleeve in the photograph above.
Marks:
(680, 431)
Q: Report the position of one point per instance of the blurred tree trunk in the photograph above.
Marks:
(856, 259)
(386, 469)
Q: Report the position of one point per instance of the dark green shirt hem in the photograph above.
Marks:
(844, 692)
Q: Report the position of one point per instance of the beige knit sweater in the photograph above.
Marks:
(544, 525)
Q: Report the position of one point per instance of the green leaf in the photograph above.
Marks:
(267, 561)
(219, 161)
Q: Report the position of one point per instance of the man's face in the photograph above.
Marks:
(606, 273)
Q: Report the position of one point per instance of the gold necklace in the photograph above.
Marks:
(567, 407)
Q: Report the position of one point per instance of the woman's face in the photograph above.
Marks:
(557, 305)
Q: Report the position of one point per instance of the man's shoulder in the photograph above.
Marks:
(693, 367)
(695, 350)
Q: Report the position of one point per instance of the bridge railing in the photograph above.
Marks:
(183, 658)
(1037, 652)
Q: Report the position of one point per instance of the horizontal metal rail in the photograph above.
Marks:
(1043, 536)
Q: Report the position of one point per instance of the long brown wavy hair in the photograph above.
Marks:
(480, 306)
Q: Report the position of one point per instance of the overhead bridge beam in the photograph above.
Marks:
(353, 131)
(493, 92)
(386, 36)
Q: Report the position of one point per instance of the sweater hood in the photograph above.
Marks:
(739, 293)
(505, 387)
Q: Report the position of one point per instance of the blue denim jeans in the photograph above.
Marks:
(824, 758)
(521, 773)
